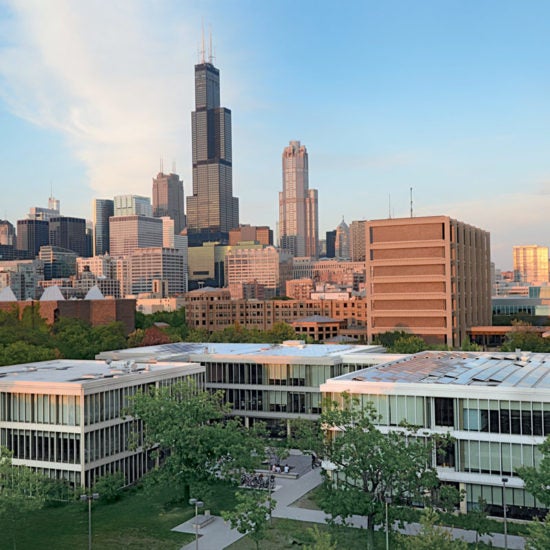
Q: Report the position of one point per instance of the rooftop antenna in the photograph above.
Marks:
(411, 190)
(210, 51)
(203, 52)
(161, 166)
(173, 167)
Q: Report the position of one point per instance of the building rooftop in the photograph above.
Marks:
(79, 372)
(292, 348)
(506, 370)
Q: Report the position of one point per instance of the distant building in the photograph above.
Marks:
(69, 233)
(252, 234)
(318, 328)
(58, 262)
(168, 199)
(7, 233)
(103, 209)
(267, 266)
(358, 244)
(22, 276)
(128, 233)
(212, 210)
(429, 276)
(132, 205)
(32, 234)
(158, 270)
(531, 264)
(45, 214)
(299, 289)
(331, 244)
(298, 205)
(342, 244)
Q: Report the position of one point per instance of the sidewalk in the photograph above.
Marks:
(218, 535)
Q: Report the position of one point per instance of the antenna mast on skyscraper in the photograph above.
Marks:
(203, 49)
(161, 166)
(411, 202)
(173, 167)
(210, 51)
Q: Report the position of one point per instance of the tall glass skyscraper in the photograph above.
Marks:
(212, 210)
(103, 209)
(298, 210)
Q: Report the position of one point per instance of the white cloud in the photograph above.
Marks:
(115, 78)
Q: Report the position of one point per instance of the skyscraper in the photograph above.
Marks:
(31, 235)
(133, 205)
(531, 264)
(103, 209)
(69, 233)
(298, 219)
(212, 210)
(168, 199)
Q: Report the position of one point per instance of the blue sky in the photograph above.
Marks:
(450, 98)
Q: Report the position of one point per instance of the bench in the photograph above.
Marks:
(202, 520)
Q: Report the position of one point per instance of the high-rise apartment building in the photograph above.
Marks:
(298, 211)
(70, 233)
(212, 210)
(133, 205)
(31, 235)
(357, 240)
(428, 276)
(102, 210)
(168, 199)
(129, 233)
(531, 264)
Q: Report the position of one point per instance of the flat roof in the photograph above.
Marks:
(523, 370)
(258, 352)
(81, 372)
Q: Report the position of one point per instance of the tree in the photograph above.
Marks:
(408, 344)
(192, 436)
(321, 540)
(251, 514)
(539, 534)
(537, 480)
(22, 352)
(431, 536)
(109, 487)
(370, 466)
(449, 497)
(21, 491)
(478, 521)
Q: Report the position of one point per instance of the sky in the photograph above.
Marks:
(449, 98)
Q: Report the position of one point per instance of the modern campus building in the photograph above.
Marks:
(102, 210)
(428, 276)
(298, 208)
(495, 406)
(65, 418)
(274, 383)
(212, 210)
(168, 199)
(531, 264)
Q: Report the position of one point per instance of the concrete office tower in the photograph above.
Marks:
(342, 241)
(133, 205)
(168, 199)
(357, 240)
(69, 233)
(32, 234)
(250, 233)
(531, 264)
(7, 233)
(129, 233)
(102, 210)
(428, 276)
(298, 218)
(212, 210)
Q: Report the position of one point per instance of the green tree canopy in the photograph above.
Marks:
(194, 436)
(539, 534)
(537, 480)
(370, 466)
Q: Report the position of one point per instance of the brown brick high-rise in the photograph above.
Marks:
(429, 276)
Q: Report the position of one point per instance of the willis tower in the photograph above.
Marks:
(212, 210)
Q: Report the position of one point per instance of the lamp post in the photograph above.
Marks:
(504, 482)
(388, 502)
(197, 504)
(89, 498)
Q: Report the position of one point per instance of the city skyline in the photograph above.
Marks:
(386, 97)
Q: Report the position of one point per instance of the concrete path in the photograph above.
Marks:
(218, 534)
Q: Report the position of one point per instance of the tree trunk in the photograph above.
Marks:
(370, 532)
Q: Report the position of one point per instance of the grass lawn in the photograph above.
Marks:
(141, 520)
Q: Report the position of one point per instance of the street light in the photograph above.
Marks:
(504, 482)
(388, 501)
(197, 504)
(89, 498)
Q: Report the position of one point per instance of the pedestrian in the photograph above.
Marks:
(313, 460)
